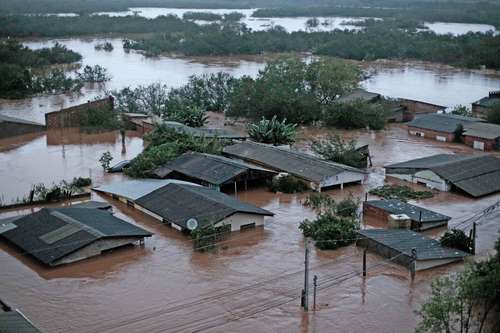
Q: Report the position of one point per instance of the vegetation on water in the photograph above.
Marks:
(105, 160)
(166, 144)
(456, 239)
(461, 110)
(338, 150)
(273, 131)
(94, 73)
(493, 114)
(355, 114)
(202, 16)
(205, 238)
(106, 46)
(467, 301)
(459, 133)
(100, 119)
(403, 193)
(336, 223)
(287, 184)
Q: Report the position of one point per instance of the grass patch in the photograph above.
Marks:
(403, 193)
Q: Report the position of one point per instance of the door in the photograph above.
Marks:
(479, 145)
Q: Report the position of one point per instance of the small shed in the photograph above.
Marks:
(421, 219)
(57, 236)
(481, 107)
(10, 127)
(440, 127)
(213, 171)
(397, 244)
(482, 136)
(316, 172)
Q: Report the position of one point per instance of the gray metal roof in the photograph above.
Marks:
(404, 241)
(221, 133)
(293, 162)
(488, 101)
(177, 203)
(398, 207)
(212, 169)
(15, 322)
(428, 162)
(53, 233)
(359, 94)
(482, 130)
(134, 189)
(92, 205)
(441, 122)
(8, 119)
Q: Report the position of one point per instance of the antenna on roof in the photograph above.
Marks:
(192, 224)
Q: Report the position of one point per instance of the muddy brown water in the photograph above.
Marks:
(249, 284)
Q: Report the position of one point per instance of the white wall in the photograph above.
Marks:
(429, 178)
(239, 219)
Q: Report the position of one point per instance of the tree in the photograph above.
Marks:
(335, 149)
(273, 131)
(461, 110)
(355, 114)
(105, 160)
(459, 133)
(493, 115)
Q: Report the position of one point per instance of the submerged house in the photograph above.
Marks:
(360, 95)
(10, 126)
(418, 218)
(57, 236)
(481, 107)
(14, 321)
(399, 243)
(482, 136)
(475, 175)
(215, 133)
(316, 172)
(439, 126)
(213, 171)
(186, 206)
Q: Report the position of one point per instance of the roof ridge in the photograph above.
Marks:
(56, 212)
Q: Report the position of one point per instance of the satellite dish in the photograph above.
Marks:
(192, 224)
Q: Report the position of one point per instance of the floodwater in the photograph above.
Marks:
(431, 83)
(251, 283)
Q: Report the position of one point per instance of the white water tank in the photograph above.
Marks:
(399, 221)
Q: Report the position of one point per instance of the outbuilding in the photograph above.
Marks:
(481, 107)
(10, 126)
(421, 219)
(214, 171)
(57, 236)
(475, 175)
(316, 172)
(440, 127)
(482, 136)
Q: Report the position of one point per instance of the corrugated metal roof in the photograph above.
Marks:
(15, 322)
(400, 207)
(359, 94)
(482, 130)
(487, 101)
(46, 235)
(212, 169)
(221, 133)
(404, 241)
(134, 189)
(428, 162)
(92, 205)
(293, 162)
(446, 123)
(8, 119)
(177, 203)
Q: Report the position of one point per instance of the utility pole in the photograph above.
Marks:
(306, 276)
(473, 238)
(315, 284)
(413, 265)
(364, 262)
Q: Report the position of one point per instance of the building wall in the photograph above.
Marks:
(488, 144)
(10, 129)
(96, 248)
(419, 107)
(240, 219)
(345, 177)
(425, 177)
(479, 111)
(375, 212)
(70, 117)
(434, 135)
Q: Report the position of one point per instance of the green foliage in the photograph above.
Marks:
(205, 238)
(323, 203)
(493, 115)
(459, 133)
(202, 16)
(403, 193)
(190, 115)
(457, 239)
(81, 182)
(100, 119)
(335, 149)
(355, 114)
(13, 52)
(461, 110)
(312, 22)
(58, 192)
(107, 46)
(287, 184)
(54, 82)
(105, 160)
(233, 16)
(166, 144)
(273, 131)
(94, 73)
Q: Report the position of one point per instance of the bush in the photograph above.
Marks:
(55, 82)
(403, 193)
(107, 46)
(94, 73)
(461, 110)
(273, 131)
(456, 239)
(356, 114)
(201, 16)
(493, 115)
(287, 184)
(184, 111)
(330, 231)
(81, 182)
(205, 238)
(323, 203)
(105, 160)
(100, 119)
(335, 149)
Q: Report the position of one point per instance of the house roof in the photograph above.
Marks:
(413, 212)
(359, 94)
(221, 133)
(134, 189)
(441, 122)
(488, 101)
(404, 241)
(482, 130)
(15, 322)
(8, 119)
(92, 205)
(293, 162)
(177, 203)
(53, 233)
(475, 175)
(212, 169)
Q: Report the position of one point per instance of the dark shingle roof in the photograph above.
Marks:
(177, 203)
(51, 234)
(14, 322)
(212, 169)
(359, 94)
(412, 211)
(293, 162)
(441, 122)
(404, 241)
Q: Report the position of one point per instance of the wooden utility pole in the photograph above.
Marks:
(413, 265)
(364, 262)
(473, 250)
(315, 284)
(306, 276)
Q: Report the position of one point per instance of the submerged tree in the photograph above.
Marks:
(273, 131)
(335, 149)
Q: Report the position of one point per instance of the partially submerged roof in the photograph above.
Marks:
(118, 167)
(293, 162)
(53, 233)
(15, 322)
(441, 122)
(428, 162)
(413, 212)
(212, 169)
(134, 189)
(220, 133)
(482, 130)
(490, 100)
(403, 241)
(8, 119)
(177, 203)
(359, 95)
(92, 205)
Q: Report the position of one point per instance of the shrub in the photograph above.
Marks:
(81, 182)
(403, 193)
(105, 160)
(461, 110)
(205, 238)
(456, 239)
(287, 184)
(55, 82)
(184, 111)
(330, 231)
(273, 131)
(323, 203)
(319, 202)
(356, 114)
(104, 119)
(107, 46)
(335, 149)
(94, 73)
(493, 115)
